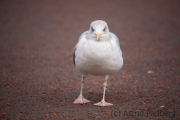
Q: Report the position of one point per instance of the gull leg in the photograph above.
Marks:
(103, 103)
(81, 99)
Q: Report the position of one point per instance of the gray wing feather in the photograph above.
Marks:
(74, 55)
(84, 33)
(117, 40)
(74, 52)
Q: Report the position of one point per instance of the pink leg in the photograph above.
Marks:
(103, 102)
(81, 99)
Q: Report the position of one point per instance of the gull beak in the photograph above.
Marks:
(98, 36)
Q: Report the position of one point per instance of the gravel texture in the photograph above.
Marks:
(39, 81)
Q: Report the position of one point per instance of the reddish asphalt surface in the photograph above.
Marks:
(39, 81)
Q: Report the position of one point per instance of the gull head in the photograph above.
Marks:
(98, 30)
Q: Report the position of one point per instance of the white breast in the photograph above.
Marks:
(98, 58)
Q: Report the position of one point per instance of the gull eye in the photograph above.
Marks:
(92, 29)
(104, 29)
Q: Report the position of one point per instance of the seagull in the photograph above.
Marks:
(97, 53)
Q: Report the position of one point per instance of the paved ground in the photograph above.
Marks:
(39, 81)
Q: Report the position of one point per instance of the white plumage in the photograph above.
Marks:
(97, 53)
